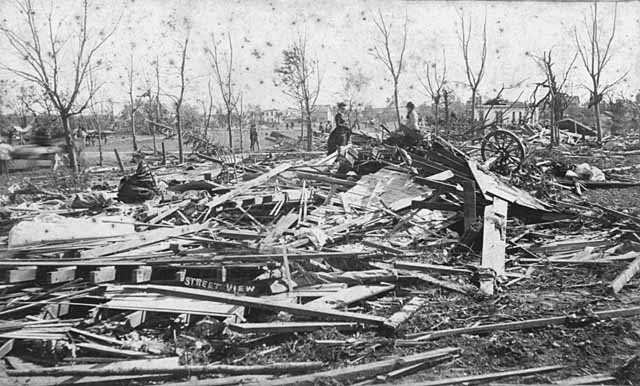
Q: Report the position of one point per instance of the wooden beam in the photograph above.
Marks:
(483, 377)
(120, 164)
(102, 275)
(469, 195)
(20, 274)
(349, 296)
(6, 348)
(494, 241)
(253, 302)
(141, 239)
(519, 325)
(406, 312)
(141, 274)
(625, 276)
(422, 267)
(367, 370)
(273, 368)
(288, 327)
(61, 275)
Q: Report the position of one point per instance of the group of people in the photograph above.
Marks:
(341, 135)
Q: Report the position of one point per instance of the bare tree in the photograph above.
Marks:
(223, 67)
(382, 52)
(207, 109)
(300, 75)
(91, 85)
(44, 47)
(435, 85)
(595, 52)
(179, 97)
(555, 98)
(474, 78)
(355, 82)
(134, 101)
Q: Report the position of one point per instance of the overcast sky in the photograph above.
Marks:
(341, 34)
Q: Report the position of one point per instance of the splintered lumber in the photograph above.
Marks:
(105, 350)
(520, 325)
(494, 236)
(47, 301)
(406, 312)
(246, 186)
(469, 194)
(349, 296)
(261, 303)
(141, 239)
(622, 279)
(486, 377)
(367, 370)
(120, 164)
(273, 368)
(463, 289)
(284, 223)
(422, 267)
(287, 327)
(169, 211)
(6, 348)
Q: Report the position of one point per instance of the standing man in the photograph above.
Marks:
(253, 136)
(411, 122)
(341, 134)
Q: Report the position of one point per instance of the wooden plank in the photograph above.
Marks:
(519, 325)
(108, 351)
(61, 275)
(469, 195)
(141, 274)
(141, 239)
(367, 370)
(102, 275)
(273, 368)
(246, 186)
(281, 226)
(288, 327)
(349, 296)
(6, 348)
(169, 211)
(253, 302)
(422, 267)
(120, 164)
(20, 274)
(46, 301)
(483, 377)
(466, 290)
(406, 312)
(383, 247)
(494, 236)
(625, 276)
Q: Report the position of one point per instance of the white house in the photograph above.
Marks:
(271, 116)
(503, 112)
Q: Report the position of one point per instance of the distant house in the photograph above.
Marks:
(499, 111)
(322, 113)
(271, 116)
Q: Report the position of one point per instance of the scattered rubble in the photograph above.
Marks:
(369, 265)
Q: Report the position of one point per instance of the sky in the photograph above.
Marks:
(341, 35)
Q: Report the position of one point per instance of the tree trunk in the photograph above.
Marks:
(179, 128)
(229, 128)
(99, 127)
(133, 129)
(437, 121)
(473, 105)
(596, 111)
(71, 143)
(395, 102)
(446, 108)
(240, 131)
(309, 128)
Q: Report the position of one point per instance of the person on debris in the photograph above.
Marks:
(139, 187)
(5, 156)
(412, 117)
(341, 134)
(253, 136)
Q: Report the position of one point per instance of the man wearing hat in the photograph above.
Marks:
(341, 134)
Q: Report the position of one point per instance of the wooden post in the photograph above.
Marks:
(469, 204)
(120, 164)
(164, 155)
(494, 240)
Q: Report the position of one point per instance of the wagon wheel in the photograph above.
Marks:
(507, 149)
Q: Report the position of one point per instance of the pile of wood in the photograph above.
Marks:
(166, 289)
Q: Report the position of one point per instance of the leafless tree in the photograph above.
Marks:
(435, 84)
(354, 84)
(223, 68)
(555, 97)
(135, 101)
(595, 52)
(382, 52)
(474, 78)
(43, 50)
(301, 77)
(179, 97)
(207, 108)
(92, 85)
